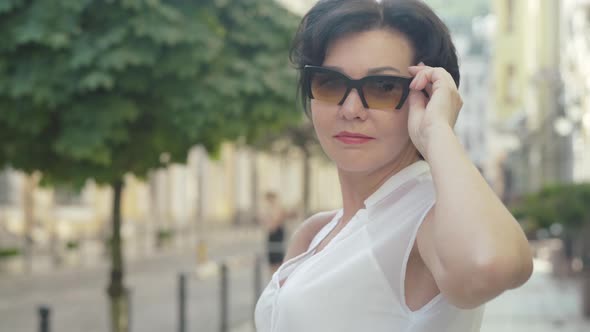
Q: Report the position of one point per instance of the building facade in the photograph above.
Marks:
(182, 199)
(472, 125)
(575, 69)
(528, 91)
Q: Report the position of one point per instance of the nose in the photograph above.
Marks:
(353, 108)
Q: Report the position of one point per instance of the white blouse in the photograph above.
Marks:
(356, 283)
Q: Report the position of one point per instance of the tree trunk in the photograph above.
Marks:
(56, 258)
(585, 238)
(306, 182)
(152, 220)
(586, 294)
(237, 213)
(254, 187)
(28, 216)
(202, 254)
(171, 222)
(116, 290)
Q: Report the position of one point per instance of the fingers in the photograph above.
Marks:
(425, 75)
(439, 85)
(417, 101)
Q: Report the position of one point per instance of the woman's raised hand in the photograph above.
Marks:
(438, 111)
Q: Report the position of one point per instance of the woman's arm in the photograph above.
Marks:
(470, 242)
(305, 233)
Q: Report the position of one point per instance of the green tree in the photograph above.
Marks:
(265, 79)
(565, 204)
(94, 89)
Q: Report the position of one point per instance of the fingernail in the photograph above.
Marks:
(421, 63)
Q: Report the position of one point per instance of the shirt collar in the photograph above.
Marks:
(395, 181)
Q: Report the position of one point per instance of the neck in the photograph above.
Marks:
(356, 187)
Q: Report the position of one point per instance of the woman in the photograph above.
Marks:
(274, 224)
(421, 241)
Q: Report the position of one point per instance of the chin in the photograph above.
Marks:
(366, 163)
(364, 160)
(358, 166)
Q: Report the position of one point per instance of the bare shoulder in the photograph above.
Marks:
(306, 232)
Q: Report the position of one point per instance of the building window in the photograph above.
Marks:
(67, 196)
(6, 189)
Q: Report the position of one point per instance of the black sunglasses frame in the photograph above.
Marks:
(309, 70)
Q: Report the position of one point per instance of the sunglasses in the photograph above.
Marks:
(384, 92)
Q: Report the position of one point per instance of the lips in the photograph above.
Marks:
(352, 138)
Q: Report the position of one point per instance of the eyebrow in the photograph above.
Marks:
(370, 71)
(380, 69)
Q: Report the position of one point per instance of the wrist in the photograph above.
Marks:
(436, 138)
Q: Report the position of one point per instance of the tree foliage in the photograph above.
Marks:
(96, 89)
(101, 88)
(267, 78)
(566, 204)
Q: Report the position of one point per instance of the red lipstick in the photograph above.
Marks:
(352, 138)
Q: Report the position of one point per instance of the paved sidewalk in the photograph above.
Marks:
(77, 297)
(91, 254)
(543, 304)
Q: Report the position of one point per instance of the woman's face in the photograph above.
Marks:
(387, 142)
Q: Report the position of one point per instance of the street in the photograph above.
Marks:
(543, 304)
(78, 301)
(155, 156)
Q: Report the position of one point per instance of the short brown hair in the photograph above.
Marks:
(331, 19)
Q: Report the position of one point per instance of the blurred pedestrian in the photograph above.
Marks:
(421, 241)
(273, 220)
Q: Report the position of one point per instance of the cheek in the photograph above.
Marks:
(321, 118)
(316, 121)
(323, 127)
(318, 126)
(397, 125)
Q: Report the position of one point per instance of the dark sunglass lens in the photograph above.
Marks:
(383, 92)
(326, 86)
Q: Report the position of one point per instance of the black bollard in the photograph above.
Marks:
(224, 300)
(44, 313)
(182, 302)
